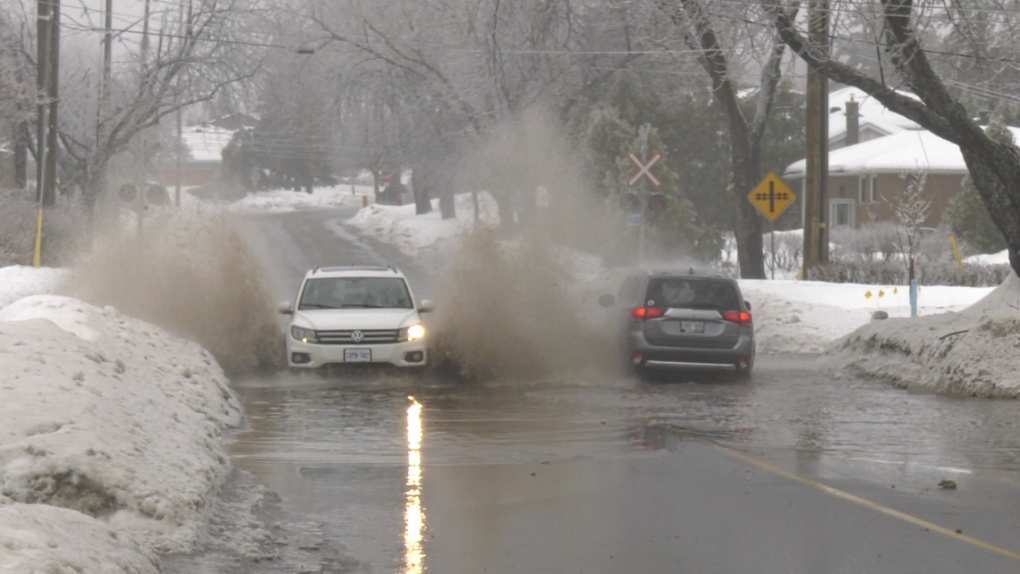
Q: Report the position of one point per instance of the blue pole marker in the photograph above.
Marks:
(913, 297)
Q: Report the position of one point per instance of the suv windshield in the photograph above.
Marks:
(355, 292)
(692, 294)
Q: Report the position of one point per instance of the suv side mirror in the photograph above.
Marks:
(747, 305)
(607, 301)
(285, 308)
(426, 306)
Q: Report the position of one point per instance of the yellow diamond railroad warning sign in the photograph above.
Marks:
(771, 196)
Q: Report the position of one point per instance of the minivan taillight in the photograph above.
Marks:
(645, 313)
(738, 317)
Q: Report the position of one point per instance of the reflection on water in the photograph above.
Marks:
(414, 514)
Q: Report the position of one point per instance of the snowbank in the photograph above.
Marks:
(973, 352)
(39, 538)
(412, 234)
(112, 419)
(17, 281)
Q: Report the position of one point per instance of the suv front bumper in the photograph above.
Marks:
(313, 355)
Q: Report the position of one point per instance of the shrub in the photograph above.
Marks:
(64, 226)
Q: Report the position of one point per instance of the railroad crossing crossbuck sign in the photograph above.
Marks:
(771, 196)
(644, 169)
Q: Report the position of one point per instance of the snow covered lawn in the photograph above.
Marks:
(413, 234)
(808, 316)
(110, 435)
(281, 200)
(284, 200)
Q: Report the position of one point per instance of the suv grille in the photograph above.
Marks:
(346, 337)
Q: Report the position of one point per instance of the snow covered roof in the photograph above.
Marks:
(872, 113)
(205, 143)
(909, 151)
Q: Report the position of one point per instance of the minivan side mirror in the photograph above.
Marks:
(426, 306)
(607, 301)
(747, 305)
(285, 308)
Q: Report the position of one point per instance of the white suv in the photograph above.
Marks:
(355, 315)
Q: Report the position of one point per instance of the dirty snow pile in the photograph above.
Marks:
(414, 234)
(974, 352)
(110, 438)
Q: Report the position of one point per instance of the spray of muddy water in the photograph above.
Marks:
(515, 306)
(191, 274)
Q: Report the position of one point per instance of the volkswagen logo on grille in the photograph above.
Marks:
(357, 336)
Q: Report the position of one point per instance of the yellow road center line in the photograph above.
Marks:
(844, 495)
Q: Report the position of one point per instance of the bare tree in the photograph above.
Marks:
(185, 57)
(693, 17)
(994, 166)
(460, 70)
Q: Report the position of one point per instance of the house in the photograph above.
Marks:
(866, 180)
(850, 107)
(203, 144)
(874, 154)
(201, 165)
(854, 118)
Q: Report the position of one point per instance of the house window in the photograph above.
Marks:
(862, 195)
(841, 213)
(874, 189)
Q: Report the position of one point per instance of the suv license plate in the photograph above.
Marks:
(692, 326)
(357, 355)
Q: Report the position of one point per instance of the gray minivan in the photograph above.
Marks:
(686, 320)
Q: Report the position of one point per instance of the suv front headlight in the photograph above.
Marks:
(412, 333)
(303, 335)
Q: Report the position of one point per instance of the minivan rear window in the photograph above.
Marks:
(683, 293)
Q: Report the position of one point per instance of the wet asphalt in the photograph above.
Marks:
(803, 469)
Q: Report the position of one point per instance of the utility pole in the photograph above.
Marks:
(143, 164)
(52, 92)
(180, 125)
(44, 19)
(816, 233)
(107, 52)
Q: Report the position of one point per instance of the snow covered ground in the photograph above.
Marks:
(110, 434)
(285, 200)
(398, 225)
(1000, 258)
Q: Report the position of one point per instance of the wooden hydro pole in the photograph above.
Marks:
(816, 232)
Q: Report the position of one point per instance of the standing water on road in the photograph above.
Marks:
(369, 461)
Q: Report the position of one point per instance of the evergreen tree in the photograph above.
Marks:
(967, 215)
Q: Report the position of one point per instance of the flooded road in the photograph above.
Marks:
(405, 473)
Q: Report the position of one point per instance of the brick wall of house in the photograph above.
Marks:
(939, 189)
(191, 175)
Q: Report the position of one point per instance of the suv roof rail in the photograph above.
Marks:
(355, 268)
